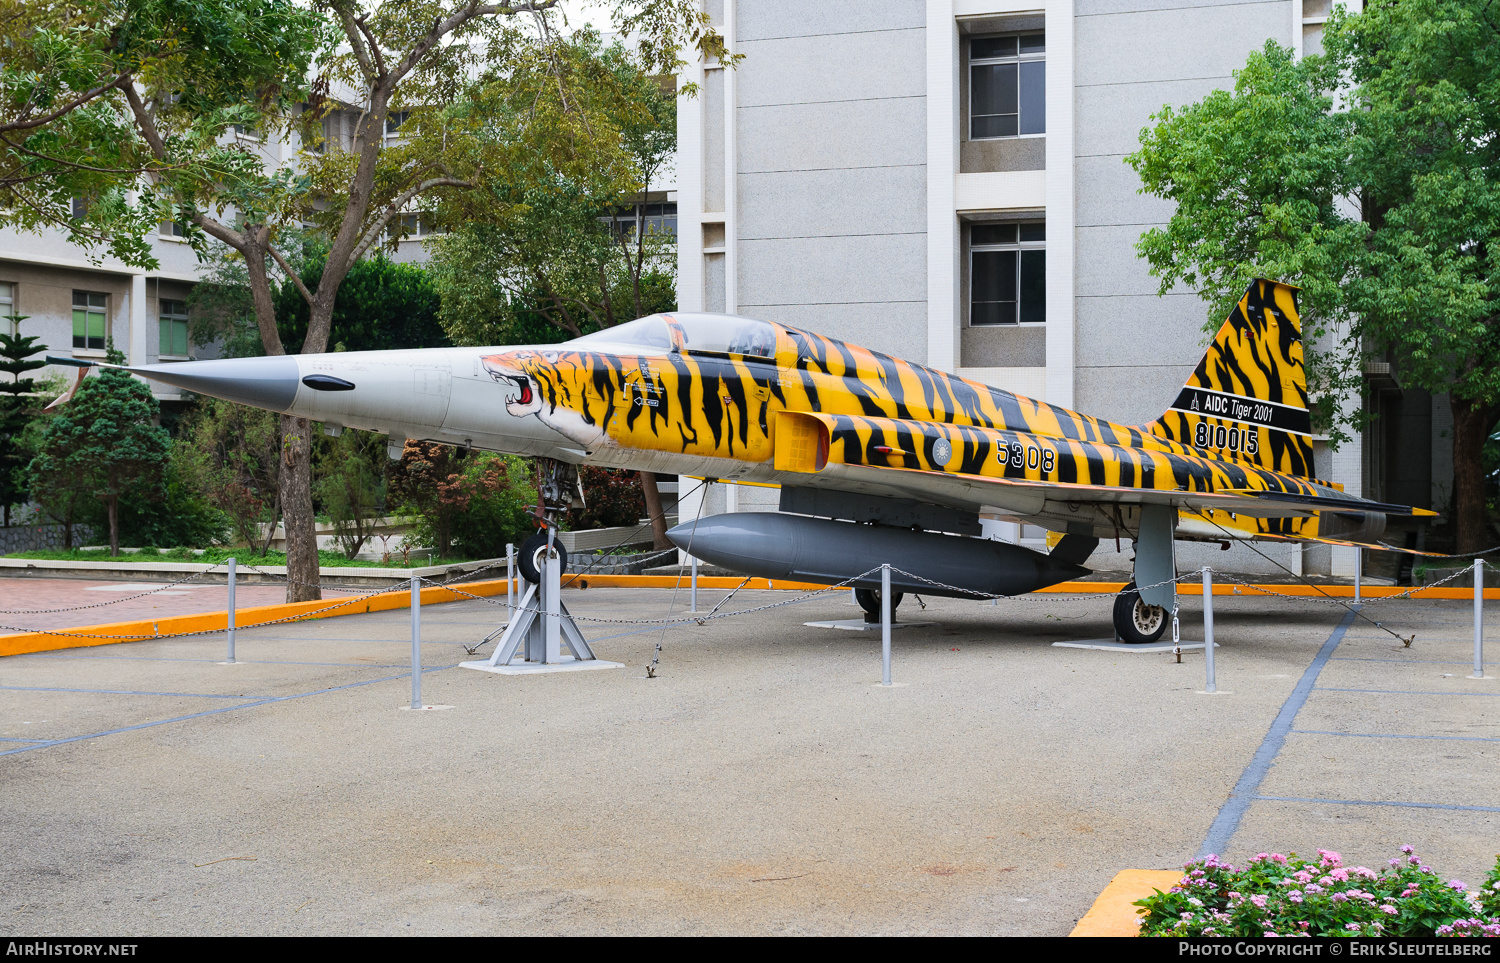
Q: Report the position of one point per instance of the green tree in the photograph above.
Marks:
(351, 487)
(162, 110)
(1401, 115)
(17, 408)
(540, 260)
(1259, 175)
(418, 480)
(104, 443)
(230, 456)
(381, 305)
(1425, 103)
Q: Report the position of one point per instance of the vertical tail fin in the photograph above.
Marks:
(1247, 399)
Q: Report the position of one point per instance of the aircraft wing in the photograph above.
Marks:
(1016, 473)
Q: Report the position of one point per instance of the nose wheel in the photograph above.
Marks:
(1135, 621)
(533, 556)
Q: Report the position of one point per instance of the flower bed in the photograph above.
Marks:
(1278, 895)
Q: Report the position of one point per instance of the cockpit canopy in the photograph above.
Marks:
(714, 333)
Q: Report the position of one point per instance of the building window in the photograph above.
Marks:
(88, 319)
(7, 299)
(80, 208)
(1007, 86)
(1008, 273)
(410, 227)
(394, 120)
(173, 318)
(173, 229)
(657, 218)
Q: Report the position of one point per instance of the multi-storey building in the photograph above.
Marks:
(944, 180)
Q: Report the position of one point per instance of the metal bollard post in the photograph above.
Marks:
(416, 642)
(551, 606)
(885, 624)
(510, 580)
(230, 624)
(1208, 626)
(1479, 618)
(1359, 565)
(693, 597)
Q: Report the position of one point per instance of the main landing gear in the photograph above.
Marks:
(1135, 621)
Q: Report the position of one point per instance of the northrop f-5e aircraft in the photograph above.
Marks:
(878, 460)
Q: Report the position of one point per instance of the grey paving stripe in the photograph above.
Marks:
(1387, 735)
(1487, 695)
(1381, 802)
(1245, 790)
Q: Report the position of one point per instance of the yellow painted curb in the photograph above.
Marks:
(1114, 913)
(139, 629)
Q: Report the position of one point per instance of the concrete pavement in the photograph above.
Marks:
(762, 784)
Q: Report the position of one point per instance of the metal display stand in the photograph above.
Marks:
(542, 624)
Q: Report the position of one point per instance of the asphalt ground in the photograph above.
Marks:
(761, 784)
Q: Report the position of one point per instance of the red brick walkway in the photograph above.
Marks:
(20, 598)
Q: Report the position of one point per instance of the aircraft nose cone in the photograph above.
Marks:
(269, 382)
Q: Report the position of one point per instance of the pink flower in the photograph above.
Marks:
(1261, 856)
(1259, 901)
(1365, 871)
(1342, 875)
(1394, 862)
(1314, 888)
(1339, 898)
(1277, 857)
(1330, 858)
(1457, 885)
(1413, 860)
(1388, 909)
(1294, 896)
(1407, 850)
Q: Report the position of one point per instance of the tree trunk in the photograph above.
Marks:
(297, 510)
(271, 529)
(654, 511)
(1472, 423)
(114, 524)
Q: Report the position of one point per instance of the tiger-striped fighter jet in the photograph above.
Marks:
(878, 460)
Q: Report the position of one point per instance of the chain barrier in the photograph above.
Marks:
(450, 584)
(1426, 554)
(1048, 598)
(107, 602)
(684, 619)
(1261, 589)
(353, 600)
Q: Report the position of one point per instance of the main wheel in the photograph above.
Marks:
(533, 556)
(869, 600)
(1135, 621)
